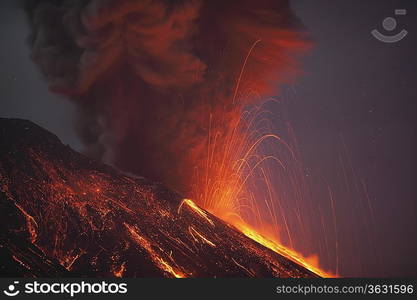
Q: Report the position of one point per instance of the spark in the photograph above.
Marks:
(237, 184)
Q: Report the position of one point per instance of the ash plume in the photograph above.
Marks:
(150, 78)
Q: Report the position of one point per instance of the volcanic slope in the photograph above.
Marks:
(63, 214)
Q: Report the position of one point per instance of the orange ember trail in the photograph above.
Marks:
(240, 184)
(232, 189)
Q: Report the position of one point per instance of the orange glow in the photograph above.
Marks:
(240, 184)
(310, 263)
(238, 179)
(239, 188)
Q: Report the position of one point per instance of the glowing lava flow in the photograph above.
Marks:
(310, 263)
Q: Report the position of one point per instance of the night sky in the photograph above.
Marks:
(353, 112)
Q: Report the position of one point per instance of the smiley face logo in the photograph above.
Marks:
(11, 290)
(389, 24)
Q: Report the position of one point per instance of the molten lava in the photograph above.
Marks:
(238, 175)
(239, 179)
(63, 214)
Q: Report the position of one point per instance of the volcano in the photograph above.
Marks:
(63, 214)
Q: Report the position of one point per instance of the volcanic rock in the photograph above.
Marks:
(63, 214)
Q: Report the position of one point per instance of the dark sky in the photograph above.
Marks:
(24, 93)
(361, 92)
(353, 112)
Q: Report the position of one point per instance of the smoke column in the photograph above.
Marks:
(150, 77)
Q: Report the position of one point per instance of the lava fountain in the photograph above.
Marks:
(238, 185)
